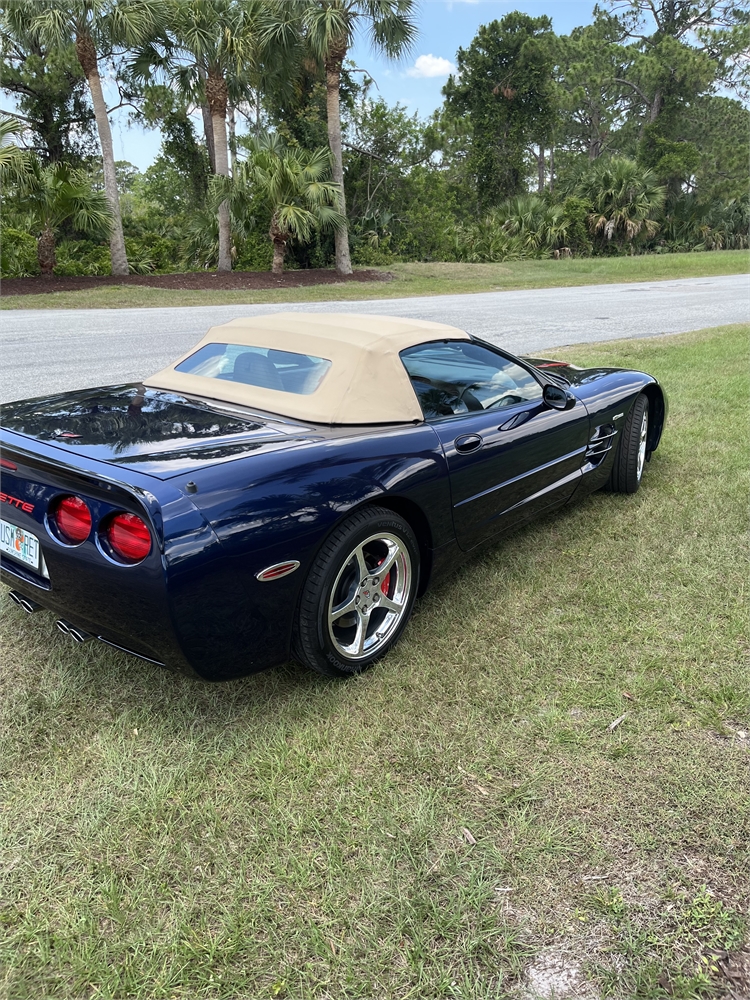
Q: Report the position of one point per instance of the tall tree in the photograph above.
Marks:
(719, 29)
(48, 86)
(167, 109)
(505, 87)
(98, 27)
(592, 104)
(680, 50)
(329, 27)
(719, 129)
(216, 41)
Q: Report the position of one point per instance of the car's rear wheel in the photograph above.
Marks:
(359, 593)
(630, 459)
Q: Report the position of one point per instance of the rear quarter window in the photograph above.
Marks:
(283, 371)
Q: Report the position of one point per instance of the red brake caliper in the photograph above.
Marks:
(385, 585)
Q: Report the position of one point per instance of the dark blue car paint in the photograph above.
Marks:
(268, 490)
(538, 456)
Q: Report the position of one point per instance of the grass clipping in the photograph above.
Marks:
(464, 821)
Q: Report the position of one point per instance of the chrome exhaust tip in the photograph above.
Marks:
(77, 634)
(24, 602)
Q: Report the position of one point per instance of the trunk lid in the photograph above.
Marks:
(151, 431)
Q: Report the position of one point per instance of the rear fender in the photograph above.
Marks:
(282, 507)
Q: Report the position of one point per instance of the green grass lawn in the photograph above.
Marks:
(414, 279)
(460, 822)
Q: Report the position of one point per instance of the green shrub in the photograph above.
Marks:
(575, 213)
(17, 254)
(486, 242)
(77, 258)
(255, 253)
(140, 258)
(160, 252)
(426, 217)
(367, 254)
(320, 251)
(146, 254)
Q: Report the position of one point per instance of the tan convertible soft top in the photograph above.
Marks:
(366, 383)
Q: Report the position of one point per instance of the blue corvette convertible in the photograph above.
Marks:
(294, 482)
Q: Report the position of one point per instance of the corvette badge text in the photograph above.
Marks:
(21, 504)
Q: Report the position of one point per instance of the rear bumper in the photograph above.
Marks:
(165, 652)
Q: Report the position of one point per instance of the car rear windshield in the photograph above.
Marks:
(261, 366)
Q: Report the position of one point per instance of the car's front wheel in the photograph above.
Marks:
(630, 459)
(359, 593)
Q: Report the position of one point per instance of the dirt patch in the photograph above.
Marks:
(556, 975)
(192, 281)
(736, 970)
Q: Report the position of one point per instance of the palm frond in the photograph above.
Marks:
(15, 163)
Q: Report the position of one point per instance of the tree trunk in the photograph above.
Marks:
(279, 240)
(540, 170)
(656, 106)
(333, 110)
(45, 252)
(551, 169)
(279, 253)
(216, 93)
(232, 141)
(208, 128)
(87, 58)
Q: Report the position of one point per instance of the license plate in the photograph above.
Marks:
(19, 544)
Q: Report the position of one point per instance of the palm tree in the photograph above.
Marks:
(329, 27)
(56, 194)
(92, 25)
(626, 199)
(220, 41)
(199, 247)
(293, 184)
(15, 163)
(542, 226)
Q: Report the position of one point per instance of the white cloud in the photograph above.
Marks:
(430, 65)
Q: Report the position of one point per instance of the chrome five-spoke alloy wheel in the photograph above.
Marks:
(358, 594)
(370, 596)
(642, 445)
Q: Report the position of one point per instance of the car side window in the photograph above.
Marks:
(458, 376)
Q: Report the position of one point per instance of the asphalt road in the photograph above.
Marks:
(51, 350)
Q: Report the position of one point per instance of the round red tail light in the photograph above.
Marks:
(128, 537)
(72, 518)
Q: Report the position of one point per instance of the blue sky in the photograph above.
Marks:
(445, 25)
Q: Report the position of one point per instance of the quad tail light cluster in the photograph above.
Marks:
(124, 537)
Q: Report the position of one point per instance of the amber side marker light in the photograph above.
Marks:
(71, 518)
(128, 537)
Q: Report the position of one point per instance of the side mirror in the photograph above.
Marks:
(558, 398)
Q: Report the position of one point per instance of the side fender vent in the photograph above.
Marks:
(600, 443)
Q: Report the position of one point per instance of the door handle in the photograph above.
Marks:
(467, 443)
(515, 421)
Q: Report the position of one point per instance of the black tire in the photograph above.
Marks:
(344, 638)
(630, 458)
